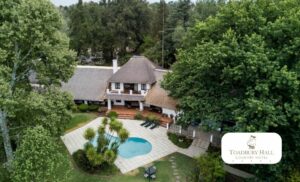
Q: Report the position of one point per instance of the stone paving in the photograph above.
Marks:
(175, 170)
(161, 145)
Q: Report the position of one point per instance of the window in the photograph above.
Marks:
(117, 85)
(118, 101)
(144, 87)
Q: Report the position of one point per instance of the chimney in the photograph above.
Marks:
(115, 66)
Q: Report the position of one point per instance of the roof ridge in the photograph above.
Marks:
(95, 67)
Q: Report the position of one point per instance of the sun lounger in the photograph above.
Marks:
(144, 123)
(148, 124)
(154, 126)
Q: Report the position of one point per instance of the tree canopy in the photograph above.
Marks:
(32, 46)
(38, 157)
(109, 28)
(242, 65)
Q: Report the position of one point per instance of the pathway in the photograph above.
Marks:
(174, 168)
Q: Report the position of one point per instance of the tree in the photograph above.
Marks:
(49, 108)
(38, 157)
(294, 176)
(31, 42)
(107, 145)
(205, 9)
(210, 168)
(108, 27)
(242, 66)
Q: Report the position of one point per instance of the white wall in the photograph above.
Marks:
(136, 86)
(122, 87)
(169, 112)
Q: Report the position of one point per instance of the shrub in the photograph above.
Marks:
(74, 108)
(138, 116)
(82, 161)
(210, 168)
(89, 134)
(93, 107)
(180, 141)
(152, 118)
(83, 107)
(112, 114)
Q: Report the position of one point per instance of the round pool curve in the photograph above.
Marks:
(132, 147)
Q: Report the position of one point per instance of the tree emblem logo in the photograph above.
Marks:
(252, 142)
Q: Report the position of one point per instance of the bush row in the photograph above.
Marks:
(85, 108)
(151, 118)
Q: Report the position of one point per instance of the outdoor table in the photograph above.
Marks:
(149, 172)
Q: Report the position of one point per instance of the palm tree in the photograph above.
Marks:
(110, 156)
(89, 134)
(123, 134)
(107, 149)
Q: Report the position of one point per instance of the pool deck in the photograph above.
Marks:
(161, 145)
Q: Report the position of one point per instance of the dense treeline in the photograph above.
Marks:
(106, 29)
(242, 66)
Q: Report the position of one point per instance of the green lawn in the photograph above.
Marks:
(80, 119)
(185, 166)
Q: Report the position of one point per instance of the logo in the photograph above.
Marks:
(251, 148)
(251, 142)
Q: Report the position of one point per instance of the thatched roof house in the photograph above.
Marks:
(137, 83)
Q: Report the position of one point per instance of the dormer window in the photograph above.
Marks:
(117, 85)
(144, 87)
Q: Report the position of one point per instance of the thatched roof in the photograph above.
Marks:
(89, 83)
(137, 70)
(158, 96)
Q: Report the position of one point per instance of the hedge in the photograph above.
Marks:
(83, 107)
(93, 107)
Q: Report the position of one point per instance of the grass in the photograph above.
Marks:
(79, 119)
(185, 166)
(180, 141)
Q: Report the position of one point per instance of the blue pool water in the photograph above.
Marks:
(132, 147)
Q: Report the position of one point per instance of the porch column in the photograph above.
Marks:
(141, 106)
(108, 104)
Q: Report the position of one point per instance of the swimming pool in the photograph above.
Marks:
(132, 147)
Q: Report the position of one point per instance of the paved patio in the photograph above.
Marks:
(161, 145)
